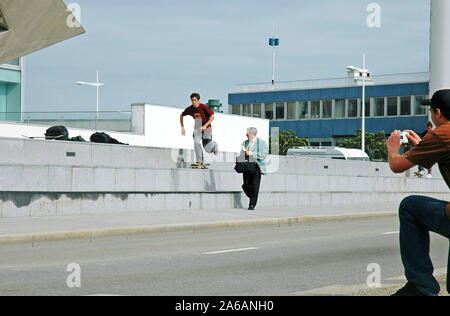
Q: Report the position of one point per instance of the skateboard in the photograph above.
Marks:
(418, 175)
(200, 166)
(47, 138)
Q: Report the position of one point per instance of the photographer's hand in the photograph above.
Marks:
(393, 143)
(413, 137)
(397, 162)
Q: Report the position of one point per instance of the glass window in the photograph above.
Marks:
(379, 106)
(367, 108)
(327, 105)
(236, 109)
(291, 110)
(392, 106)
(247, 110)
(15, 62)
(405, 105)
(280, 111)
(303, 110)
(339, 109)
(269, 111)
(419, 109)
(353, 108)
(257, 110)
(315, 109)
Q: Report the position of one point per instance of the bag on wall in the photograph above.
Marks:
(103, 138)
(57, 133)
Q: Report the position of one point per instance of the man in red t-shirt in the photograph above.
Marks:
(203, 117)
(420, 215)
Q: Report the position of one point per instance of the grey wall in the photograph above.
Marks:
(49, 178)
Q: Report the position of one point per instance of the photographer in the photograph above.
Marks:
(421, 215)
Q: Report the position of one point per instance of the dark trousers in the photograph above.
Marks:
(419, 216)
(252, 183)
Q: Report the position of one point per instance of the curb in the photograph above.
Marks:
(141, 230)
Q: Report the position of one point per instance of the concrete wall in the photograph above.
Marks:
(52, 178)
(157, 126)
(162, 128)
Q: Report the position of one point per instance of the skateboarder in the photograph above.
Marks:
(203, 117)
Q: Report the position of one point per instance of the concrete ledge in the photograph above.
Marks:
(137, 230)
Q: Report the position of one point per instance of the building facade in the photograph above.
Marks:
(328, 111)
(11, 90)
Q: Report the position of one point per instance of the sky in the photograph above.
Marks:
(162, 51)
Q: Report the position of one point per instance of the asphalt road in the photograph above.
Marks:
(249, 261)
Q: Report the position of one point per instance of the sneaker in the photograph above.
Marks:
(409, 290)
(429, 176)
(251, 208)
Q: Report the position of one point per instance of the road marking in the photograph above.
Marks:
(391, 233)
(230, 251)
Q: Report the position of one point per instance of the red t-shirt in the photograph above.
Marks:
(203, 112)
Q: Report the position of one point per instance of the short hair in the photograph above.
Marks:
(195, 95)
(253, 131)
(429, 124)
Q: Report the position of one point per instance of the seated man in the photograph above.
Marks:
(419, 214)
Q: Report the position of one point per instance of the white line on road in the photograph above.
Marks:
(230, 251)
(391, 233)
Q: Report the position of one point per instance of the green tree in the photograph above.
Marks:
(375, 144)
(287, 140)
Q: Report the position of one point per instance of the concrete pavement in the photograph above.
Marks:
(247, 261)
(31, 229)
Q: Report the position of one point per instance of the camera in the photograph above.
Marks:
(404, 138)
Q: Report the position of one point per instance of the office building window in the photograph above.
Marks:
(236, 109)
(303, 110)
(15, 62)
(247, 110)
(280, 111)
(392, 106)
(315, 109)
(379, 107)
(339, 108)
(291, 107)
(405, 105)
(367, 108)
(353, 108)
(419, 109)
(269, 111)
(257, 110)
(327, 106)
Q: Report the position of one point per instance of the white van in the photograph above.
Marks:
(328, 153)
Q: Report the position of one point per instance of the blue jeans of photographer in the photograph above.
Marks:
(419, 216)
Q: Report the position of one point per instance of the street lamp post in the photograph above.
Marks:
(93, 84)
(362, 75)
(274, 42)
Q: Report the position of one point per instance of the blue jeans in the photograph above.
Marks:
(419, 216)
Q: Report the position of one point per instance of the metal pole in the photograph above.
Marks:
(22, 89)
(96, 116)
(273, 64)
(363, 135)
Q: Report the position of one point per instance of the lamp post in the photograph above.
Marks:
(274, 42)
(93, 84)
(362, 75)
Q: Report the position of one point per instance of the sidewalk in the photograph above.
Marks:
(101, 225)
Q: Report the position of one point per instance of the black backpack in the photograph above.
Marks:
(103, 138)
(57, 133)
